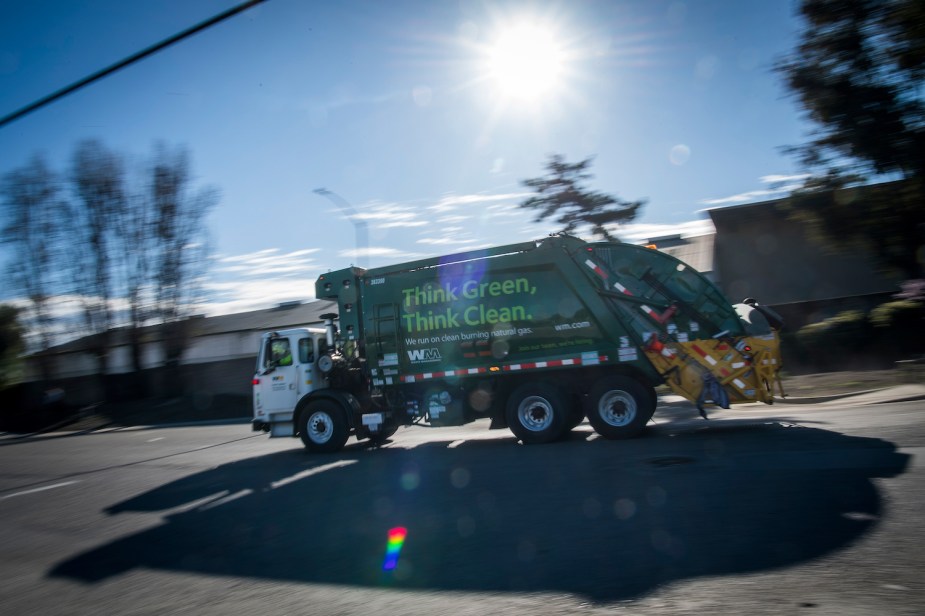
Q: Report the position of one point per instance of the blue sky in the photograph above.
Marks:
(399, 107)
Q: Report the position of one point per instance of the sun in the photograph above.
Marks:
(526, 61)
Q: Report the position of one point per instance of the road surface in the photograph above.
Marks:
(793, 509)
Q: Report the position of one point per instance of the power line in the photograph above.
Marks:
(129, 60)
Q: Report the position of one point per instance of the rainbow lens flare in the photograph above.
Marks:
(396, 540)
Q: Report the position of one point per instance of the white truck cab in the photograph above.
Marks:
(287, 370)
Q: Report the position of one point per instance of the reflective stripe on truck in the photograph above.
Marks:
(586, 359)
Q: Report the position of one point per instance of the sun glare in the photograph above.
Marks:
(526, 61)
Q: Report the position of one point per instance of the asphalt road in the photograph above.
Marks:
(812, 509)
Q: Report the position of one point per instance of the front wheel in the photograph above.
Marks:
(537, 413)
(323, 426)
(619, 407)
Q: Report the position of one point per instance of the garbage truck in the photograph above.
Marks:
(536, 336)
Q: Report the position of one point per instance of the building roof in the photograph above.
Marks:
(283, 316)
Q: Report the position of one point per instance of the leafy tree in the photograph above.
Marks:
(858, 73)
(33, 211)
(561, 196)
(11, 345)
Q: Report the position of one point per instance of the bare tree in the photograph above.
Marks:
(11, 346)
(33, 212)
(98, 177)
(181, 244)
(143, 248)
(134, 237)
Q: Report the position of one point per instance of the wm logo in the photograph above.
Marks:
(424, 355)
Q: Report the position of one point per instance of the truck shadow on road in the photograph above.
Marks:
(605, 520)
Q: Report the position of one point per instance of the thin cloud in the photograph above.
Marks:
(780, 185)
(275, 269)
(781, 179)
(451, 202)
(267, 255)
(506, 210)
(378, 252)
(248, 256)
(453, 218)
(390, 215)
(234, 296)
(268, 262)
(402, 223)
(745, 197)
(445, 241)
(466, 216)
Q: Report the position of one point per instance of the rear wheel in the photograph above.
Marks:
(323, 426)
(619, 407)
(537, 413)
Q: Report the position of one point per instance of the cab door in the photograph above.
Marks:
(278, 374)
(310, 348)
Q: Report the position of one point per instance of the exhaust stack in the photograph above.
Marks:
(329, 328)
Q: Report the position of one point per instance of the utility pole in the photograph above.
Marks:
(362, 234)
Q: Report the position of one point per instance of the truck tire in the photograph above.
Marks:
(323, 426)
(537, 413)
(619, 407)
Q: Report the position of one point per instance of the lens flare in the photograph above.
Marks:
(396, 540)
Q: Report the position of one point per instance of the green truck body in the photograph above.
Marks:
(537, 336)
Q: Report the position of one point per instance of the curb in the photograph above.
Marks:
(184, 424)
(909, 397)
(817, 399)
(53, 432)
(668, 401)
(15, 436)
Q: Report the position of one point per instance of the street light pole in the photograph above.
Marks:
(362, 238)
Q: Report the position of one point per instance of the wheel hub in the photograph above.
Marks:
(320, 427)
(535, 413)
(618, 408)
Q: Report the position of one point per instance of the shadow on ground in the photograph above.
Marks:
(606, 520)
(148, 411)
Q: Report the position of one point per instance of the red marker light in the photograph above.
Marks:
(255, 382)
(654, 344)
